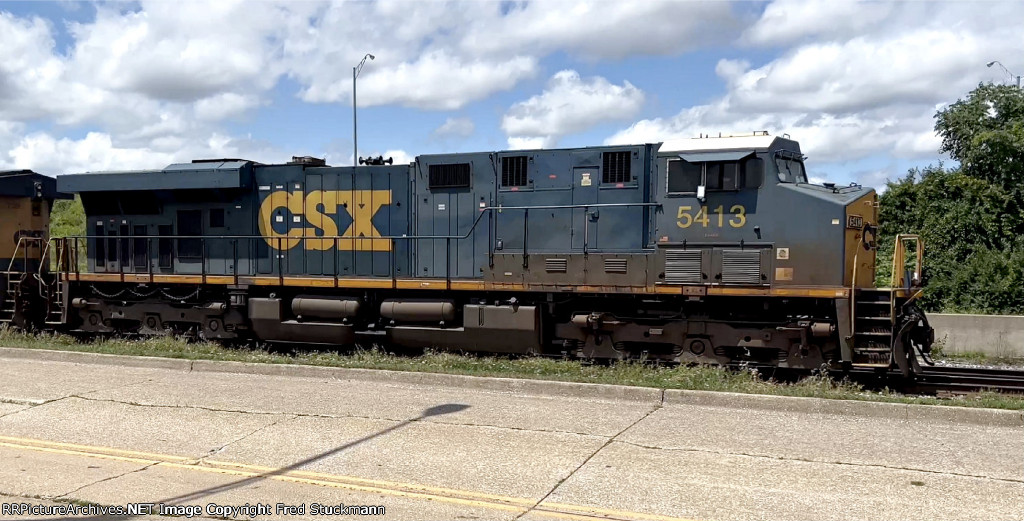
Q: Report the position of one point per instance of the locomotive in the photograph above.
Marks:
(708, 250)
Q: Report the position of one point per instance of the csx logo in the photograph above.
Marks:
(320, 208)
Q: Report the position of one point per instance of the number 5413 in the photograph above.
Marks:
(737, 216)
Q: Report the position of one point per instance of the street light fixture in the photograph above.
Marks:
(1001, 66)
(355, 127)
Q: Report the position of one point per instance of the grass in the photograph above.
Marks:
(705, 378)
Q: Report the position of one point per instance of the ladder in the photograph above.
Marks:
(874, 311)
(872, 328)
(10, 298)
(52, 291)
(14, 278)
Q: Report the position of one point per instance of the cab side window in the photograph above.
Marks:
(684, 176)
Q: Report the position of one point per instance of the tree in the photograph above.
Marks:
(985, 133)
(970, 216)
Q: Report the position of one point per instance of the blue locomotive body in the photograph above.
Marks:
(418, 248)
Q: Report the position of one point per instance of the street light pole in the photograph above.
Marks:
(355, 125)
(1007, 71)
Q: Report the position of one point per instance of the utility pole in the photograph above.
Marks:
(355, 124)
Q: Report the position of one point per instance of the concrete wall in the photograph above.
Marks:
(994, 335)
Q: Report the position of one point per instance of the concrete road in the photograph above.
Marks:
(100, 435)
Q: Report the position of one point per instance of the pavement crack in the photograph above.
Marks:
(220, 449)
(607, 442)
(109, 478)
(823, 462)
(329, 416)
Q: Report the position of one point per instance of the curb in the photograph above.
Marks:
(646, 395)
(483, 383)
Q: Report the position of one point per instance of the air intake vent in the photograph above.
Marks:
(616, 167)
(513, 171)
(556, 265)
(683, 267)
(615, 265)
(450, 176)
(741, 267)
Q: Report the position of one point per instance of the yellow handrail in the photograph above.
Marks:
(899, 260)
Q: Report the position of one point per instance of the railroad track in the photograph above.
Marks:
(969, 379)
(939, 380)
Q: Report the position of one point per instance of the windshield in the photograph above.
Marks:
(791, 170)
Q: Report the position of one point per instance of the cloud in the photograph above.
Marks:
(95, 152)
(435, 80)
(182, 51)
(400, 157)
(601, 29)
(223, 106)
(460, 52)
(861, 79)
(456, 127)
(99, 151)
(570, 104)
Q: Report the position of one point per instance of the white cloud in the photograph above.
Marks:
(434, 80)
(789, 21)
(601, 29)
(459, 52)
(456, 127)
(98, 151)
(527, 143)
(400, 157)
(862, 79)
(223, 106)
(95, 152)
(182, 51)
(568, 105)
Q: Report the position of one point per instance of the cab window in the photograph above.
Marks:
(791, 169)
(685, 176)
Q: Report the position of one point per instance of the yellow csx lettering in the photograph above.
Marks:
(320, 208)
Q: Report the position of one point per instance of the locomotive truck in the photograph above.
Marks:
(708, 250)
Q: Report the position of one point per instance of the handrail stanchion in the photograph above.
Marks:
(491, 227)
(334, 269)
(280, 273)
(234, 260)
(149, 258)
(203, 259)
(526, 234)
(586, 228)
(391, 264)
(448, 262)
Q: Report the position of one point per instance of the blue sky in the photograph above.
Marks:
(110, 86)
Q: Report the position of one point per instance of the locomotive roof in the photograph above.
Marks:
(757, 142)
(21, 183)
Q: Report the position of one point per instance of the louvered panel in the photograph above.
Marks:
(741, 267)
(556, 265)
(683, 267)
(615, 265)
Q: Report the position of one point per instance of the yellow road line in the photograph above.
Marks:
(408, 490)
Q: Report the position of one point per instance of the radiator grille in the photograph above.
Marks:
(556, 265)
(683, 267)
(449, 176)
(741, 267)
(615, 265)
(513, 171)
(616, 167)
